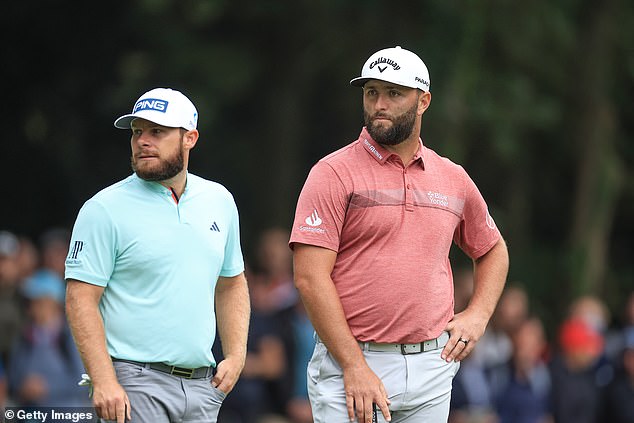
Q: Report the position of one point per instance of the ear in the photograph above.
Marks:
(190, 138)
(424, 100)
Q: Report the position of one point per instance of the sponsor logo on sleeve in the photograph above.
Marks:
(313, 221)
(74, 253)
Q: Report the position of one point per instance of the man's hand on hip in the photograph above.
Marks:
(465, 330)
(227, 374)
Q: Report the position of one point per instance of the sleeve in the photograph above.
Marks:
(321, 209)
(477, 233)
(233, 263)
(92, 250)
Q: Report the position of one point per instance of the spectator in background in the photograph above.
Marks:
(28, 258)
(521, 387)
(54, 248)
(595, 313)
(592, 310)
(44, 365)
(470, 394)
(616, 337)
(618, 399)
(10, 304)
(251, 400)
(575, 391)
(274, 294)
(495, 346)
(298, 406)
(267, 382)
(273, 290)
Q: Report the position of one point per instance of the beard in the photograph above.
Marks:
(401, 129)
(166, 168)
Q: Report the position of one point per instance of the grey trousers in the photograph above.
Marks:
(418, 386)
(157, 397)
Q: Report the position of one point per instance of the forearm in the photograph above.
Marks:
(489, 277)
(325, 311)
(312, 269)
(87, 327)
(232, 316)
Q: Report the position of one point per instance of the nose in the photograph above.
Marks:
(142, 139)
(381, 102)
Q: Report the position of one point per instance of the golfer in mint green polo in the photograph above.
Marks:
(154, 265)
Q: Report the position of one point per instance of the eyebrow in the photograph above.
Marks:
(386, 87)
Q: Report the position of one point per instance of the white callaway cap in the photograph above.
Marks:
(396, 65)
(164, 106)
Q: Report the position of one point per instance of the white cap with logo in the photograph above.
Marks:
(163, 106)
(396, 65)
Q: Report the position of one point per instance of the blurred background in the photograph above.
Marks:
(534, 99)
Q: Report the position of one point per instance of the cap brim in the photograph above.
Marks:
(359, 82)
(124, 121)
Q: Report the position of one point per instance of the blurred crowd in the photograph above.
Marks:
(39, 364)
(580, 370)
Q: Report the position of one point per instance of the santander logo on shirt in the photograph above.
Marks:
(313, 221)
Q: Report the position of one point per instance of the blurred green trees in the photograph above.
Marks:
(534, 99)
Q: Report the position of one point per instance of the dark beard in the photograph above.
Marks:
(169, 168)
(401, 129)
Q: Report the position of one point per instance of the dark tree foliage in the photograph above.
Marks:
(534, 99)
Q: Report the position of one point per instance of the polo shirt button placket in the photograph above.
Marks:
(409, 205)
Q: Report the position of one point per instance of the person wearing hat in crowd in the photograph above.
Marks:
(154, 266)
(576, 391)
(373, 228)
(44, 362)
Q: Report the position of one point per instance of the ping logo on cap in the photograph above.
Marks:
(151, 104)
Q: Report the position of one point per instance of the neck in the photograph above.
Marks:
(177, 183)
(405, 150)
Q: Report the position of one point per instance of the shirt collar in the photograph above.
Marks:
(158, 187)
(381, 154)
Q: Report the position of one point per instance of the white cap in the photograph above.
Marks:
(164, 106)
(396, 65)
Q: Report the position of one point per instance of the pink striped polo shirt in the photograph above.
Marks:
(392, 228)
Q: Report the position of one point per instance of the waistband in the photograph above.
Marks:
(184, 372)
(419, 347)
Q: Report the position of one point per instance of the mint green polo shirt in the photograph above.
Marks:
(158, 261)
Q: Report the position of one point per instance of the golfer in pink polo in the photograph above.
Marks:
(373, 228)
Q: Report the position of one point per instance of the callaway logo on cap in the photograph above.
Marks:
(396, 65)
(164, 106)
